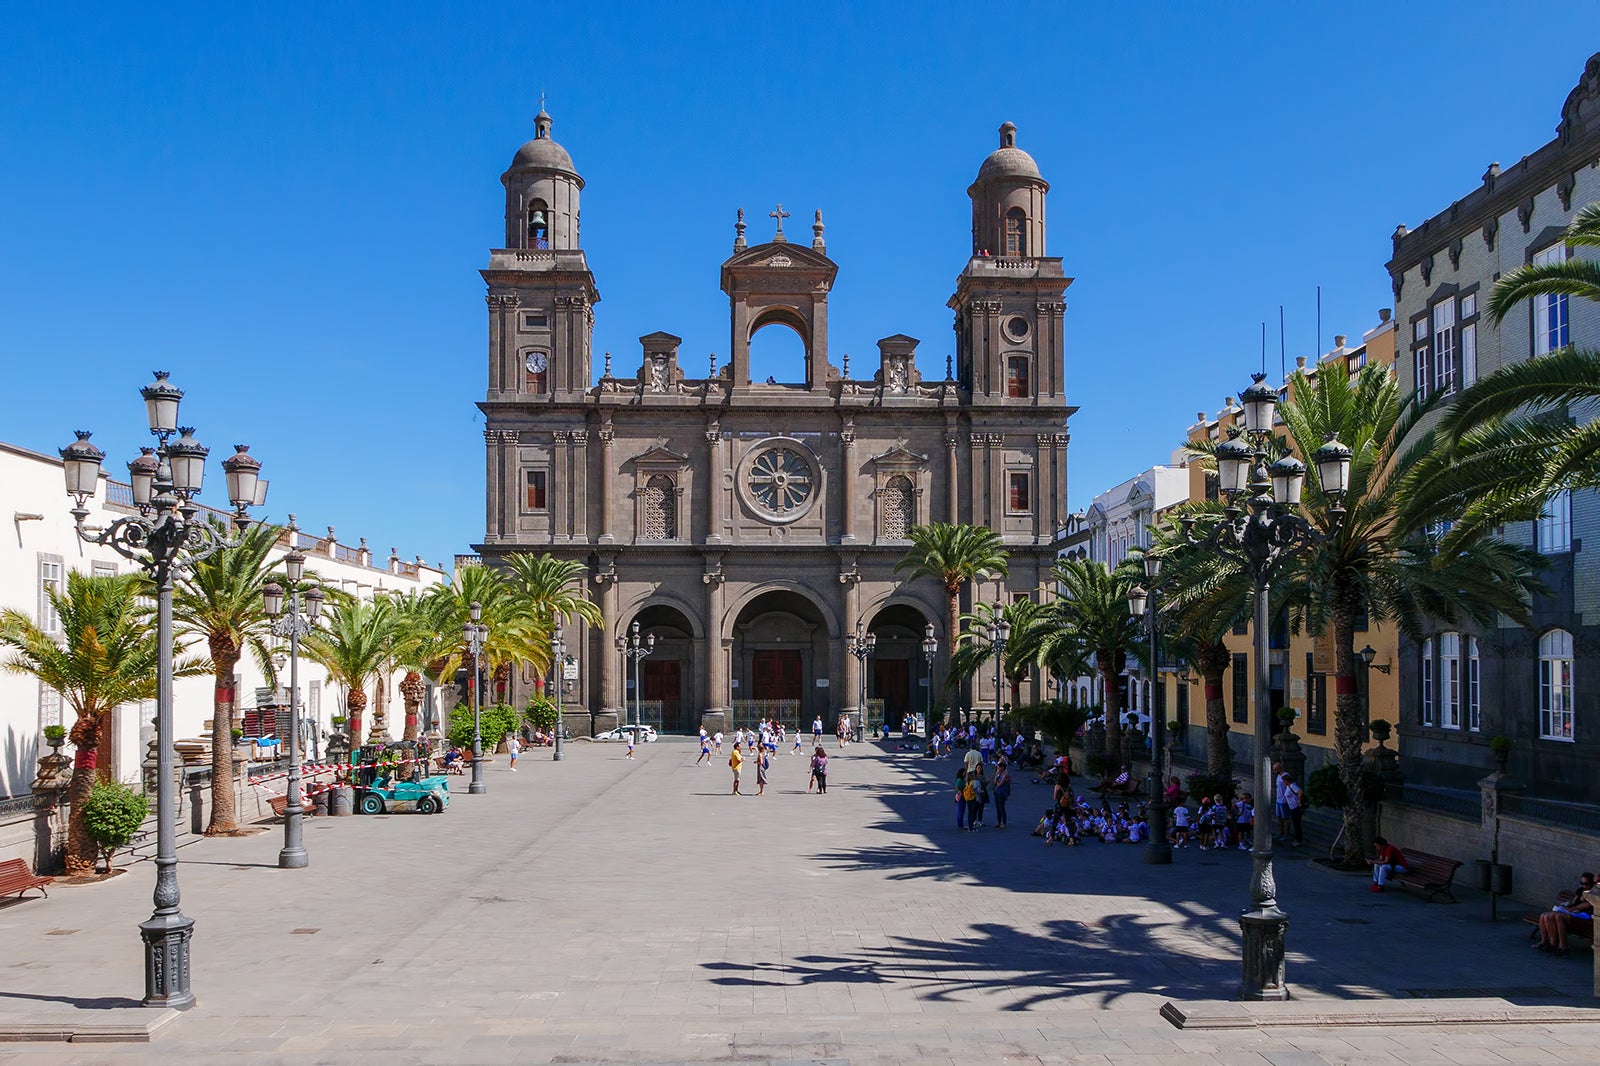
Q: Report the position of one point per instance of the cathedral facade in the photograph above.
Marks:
(752, 527)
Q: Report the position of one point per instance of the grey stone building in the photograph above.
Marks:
(750, 526)
(1538, 686)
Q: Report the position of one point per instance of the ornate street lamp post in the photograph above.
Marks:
(930, 649)
(293, 625)
(1261, 529)
(861, 644)
(558, 660)
(166, 534)
(1157, 850)
(999, 637)
(635, 650)
(475, 635)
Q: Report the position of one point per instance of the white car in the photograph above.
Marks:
(647, 734)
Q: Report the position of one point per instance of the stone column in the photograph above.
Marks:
(847, 481)
(50, 812)
(1058, 451)
(1044, 486)
(850, 578)
(610, 679)
(977, 508)
(510, 504)
(994, 446)
(606, 436)
(717, 699)
(495, 497)
(714, 491)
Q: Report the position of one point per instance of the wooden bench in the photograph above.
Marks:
(1430, 874)
(279, 804)
(1582, 932)
(16, 878)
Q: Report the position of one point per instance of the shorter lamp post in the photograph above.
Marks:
(558, 659)
(635, 650)
(861, 644)
(293, 625)
(930, 649)
(999, 637)
(475, 635)
(1157, 851)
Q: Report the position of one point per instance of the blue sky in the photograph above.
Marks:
(287, 210)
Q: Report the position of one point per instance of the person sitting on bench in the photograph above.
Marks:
(452, 761)
(1390, 861)
(1118, 783)
(1558, 921)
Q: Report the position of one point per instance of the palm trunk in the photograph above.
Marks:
(1113, 708)
(81, 850)
(1348, 729)
(412, 691)
(1212, 661)
(224, 812)
(354, 705)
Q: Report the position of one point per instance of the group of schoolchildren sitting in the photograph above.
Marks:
(1216, 823)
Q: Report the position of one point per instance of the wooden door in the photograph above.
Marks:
(663, 680)
(891, 683)
(775, 675)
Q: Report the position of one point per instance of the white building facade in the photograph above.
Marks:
(41, 547)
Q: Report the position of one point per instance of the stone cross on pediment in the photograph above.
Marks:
(779, 214)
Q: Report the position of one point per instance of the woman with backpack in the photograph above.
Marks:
(819, 770)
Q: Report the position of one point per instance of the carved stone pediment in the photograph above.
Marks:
(898, 456)
(660, 455)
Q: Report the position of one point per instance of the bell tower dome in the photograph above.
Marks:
(1008, 202)
(542, 189)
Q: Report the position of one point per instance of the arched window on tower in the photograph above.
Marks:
(1016, 242)
(898, 508)
(538, 225)
(660, 508)
(1017, 377)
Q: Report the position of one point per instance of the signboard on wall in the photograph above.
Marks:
(822, 682)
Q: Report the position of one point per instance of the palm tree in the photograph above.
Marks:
(953, 555)
(354, 644)
(1023, 651)
(105, 655)
(514, 635)
(545, 587)
(1512, 438)
(416, 644)
(1090, 618)
(1382, 553)
(1206, 596)
(218, 600)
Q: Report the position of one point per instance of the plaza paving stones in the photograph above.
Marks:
(602, 911)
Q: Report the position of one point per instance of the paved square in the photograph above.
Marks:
(601, 910)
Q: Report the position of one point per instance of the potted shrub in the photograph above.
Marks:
(1500, 744)
(1286, 717)
(112, 814)
(1380, 730)
(55, 735)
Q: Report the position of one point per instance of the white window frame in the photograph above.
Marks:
(1427, 682)
(1555, 686)
(1474, 688)
(49, 707)
(1552, 322)
(1444, 345)
(1553, 530)
(1450, 680)
(52, 574)
(1423, 367)
(1469, 305)
(1469, 354)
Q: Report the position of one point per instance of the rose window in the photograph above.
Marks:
(780, 481)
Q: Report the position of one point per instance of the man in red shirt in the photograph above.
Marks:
(1391, 860)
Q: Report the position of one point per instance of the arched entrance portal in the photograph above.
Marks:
(780, 652)
(898, 678)
(665, 677)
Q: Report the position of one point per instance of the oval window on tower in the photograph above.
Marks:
(1016, 328)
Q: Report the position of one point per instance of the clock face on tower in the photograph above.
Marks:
(537, 362)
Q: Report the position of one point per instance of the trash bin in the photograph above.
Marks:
(344, 801)
(1500, 879)
(1480, 874)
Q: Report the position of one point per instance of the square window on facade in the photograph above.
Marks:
(1419, 329)
(1469, 305)
(533, 496)
(1019, 499)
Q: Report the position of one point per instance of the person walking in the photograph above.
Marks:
(819, 770)
(762, 765)
(736, 763)
(514, 746)
(1279, 812)
(705, 748)
(631, 734)
(1002, 792)
(816, 730)
(1294, 801)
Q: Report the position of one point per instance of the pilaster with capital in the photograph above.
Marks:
(1058, 452)
(561, 489)
(607, 435)
(717, 698)
(714, 465)
(580, 484)
(994, 450)
(847, 480)
(952, 479)
(610, 691)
